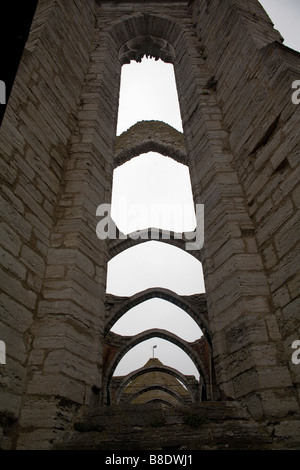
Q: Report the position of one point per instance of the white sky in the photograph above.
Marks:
(148, 92)
(143, 316)
(154, 99)
(285, 14)
(152, 201)
(154, 264)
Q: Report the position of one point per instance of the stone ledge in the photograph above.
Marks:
(207, 425)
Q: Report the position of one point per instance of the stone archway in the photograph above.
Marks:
(242, 155)
(190, 385)
(172, 393)
(143, 137)
(160, 401)
(124, 242)
(147, 136)
(194, 305)
(117, 346)
(129, 342)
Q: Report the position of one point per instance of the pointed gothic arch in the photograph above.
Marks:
(129, 342)
(194, 305)
(124, 242)
(139, 29)
(59, 139)
(189, 385)
(160, 401)
(147, 388)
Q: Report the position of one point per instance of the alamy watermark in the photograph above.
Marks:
(2, 92)
(296, 94)
(296, 354)
(107, 229)
(2, 353)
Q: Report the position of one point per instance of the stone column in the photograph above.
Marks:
(247, 345)
(65, 365)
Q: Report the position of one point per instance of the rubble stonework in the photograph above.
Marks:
(58, 150)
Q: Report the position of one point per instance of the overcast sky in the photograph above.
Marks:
(148, 91)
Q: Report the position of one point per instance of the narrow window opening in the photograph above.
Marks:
(148, 92)
(153, 191)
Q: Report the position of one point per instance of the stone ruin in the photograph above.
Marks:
(58, 150)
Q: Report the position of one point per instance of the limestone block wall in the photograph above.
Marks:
(172, 427)
(252, 80)
(57, 146)
(34, 138)
(210, 41)
(73, 306)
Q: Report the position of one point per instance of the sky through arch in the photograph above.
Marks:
(158, 313)
(148, 92)
(144, 83)
(168, 353)
(144, 195)
(154, 264)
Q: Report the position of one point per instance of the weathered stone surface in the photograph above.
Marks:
(132, 427)
(58, 149)
(149, 136)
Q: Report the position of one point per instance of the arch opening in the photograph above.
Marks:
(149, 46)
(158, 313)
(158, 48)
(170, 355)
(160, 401)
(152, 190)
(195, 306)
(153, 97)
(142, 395)
(154, 264)
(160, 368)
(185, 354)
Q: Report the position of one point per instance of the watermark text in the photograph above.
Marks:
(2, 353)
(296, 354)
(2, 92)
(107, 229)
(296, 94)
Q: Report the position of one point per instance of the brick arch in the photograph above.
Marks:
(128, 399)
(132, 341)
(156, 368)
(147, 136)
(195, 306)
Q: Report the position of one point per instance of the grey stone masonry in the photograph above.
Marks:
(181, 428)
(58, 150)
